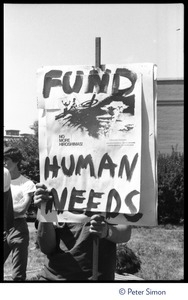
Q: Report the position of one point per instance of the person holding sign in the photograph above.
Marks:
(69, 246)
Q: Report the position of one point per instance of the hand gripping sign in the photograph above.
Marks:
(97, 142)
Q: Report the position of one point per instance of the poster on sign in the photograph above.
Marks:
(97, 135)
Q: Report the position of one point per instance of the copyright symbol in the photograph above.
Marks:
(122, 291)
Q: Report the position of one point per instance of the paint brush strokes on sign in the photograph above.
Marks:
(90, 142)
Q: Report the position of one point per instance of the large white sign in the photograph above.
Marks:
(97, 131)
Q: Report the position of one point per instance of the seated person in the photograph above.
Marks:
(69, 246)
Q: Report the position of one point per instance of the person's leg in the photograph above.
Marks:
(20, 242)
(6, 247)
(36, 226)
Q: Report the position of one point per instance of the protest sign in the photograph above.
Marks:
(97, 142)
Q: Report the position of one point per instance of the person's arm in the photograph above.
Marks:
(115, 233)
(118, 233)
(41, 194)
(46, 237)
(22, 206)
(8, 211)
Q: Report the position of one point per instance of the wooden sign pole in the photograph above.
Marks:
(95, 257)
(97, 52)
(96, 238)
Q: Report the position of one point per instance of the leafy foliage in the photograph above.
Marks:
(171, 187)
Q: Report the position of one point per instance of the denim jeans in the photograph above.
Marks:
(17, 242)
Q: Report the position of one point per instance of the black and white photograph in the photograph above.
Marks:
(94, 149)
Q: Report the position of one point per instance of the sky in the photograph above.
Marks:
(37, 35)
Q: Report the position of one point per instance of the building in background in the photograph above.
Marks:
(170, 115)
(13, 134)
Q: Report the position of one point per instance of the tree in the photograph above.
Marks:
(34, 127)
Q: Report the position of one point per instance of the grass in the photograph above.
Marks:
(160, 249)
